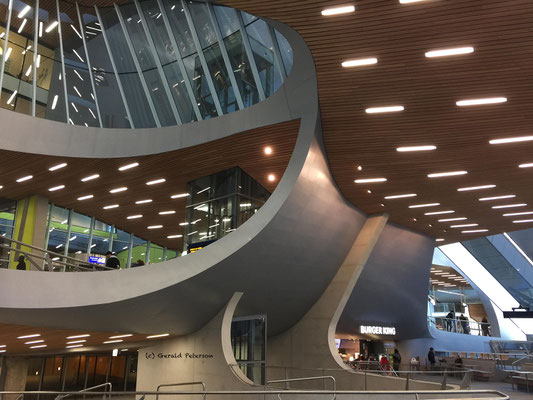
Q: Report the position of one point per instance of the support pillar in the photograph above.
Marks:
(13, 375)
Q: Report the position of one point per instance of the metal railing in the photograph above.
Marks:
(103, 385)
(309, 378)
(467, 327)
(46, 260)
(181, 384)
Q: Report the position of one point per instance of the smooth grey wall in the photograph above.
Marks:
(393, 287)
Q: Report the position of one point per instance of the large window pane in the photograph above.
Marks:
(286, 52)
(180, 27)
(200, 86)
(227, 20)
(52, 373)
(204, 27)
(100, 243)
(79, 237)
(121, 243)
(58, 230)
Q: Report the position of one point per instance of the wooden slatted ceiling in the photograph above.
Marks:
(245, 150)
(56, 339)
(399, 35)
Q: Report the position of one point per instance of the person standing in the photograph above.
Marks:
(112, 261)
(22, 264)
(485, 326)
(449, 321)
(431, 357)
(396, 360)
(464, 324)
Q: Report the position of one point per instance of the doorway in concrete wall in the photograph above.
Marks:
(248, 341)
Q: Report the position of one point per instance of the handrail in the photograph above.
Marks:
(309, 378)
(107, 384)
(182, 384)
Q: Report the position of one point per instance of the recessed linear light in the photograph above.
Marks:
(77, 341)
(359, 62)
(157, 336)
(39, 346)
(463, 225)
(439, 212)
(24, 11)
(25, 178)
(450, 52)
(416, 148)
(143, 201)
(477, 102)
(410, 1)
(78, 336)
(53, 189)
(113, 341)
(58, 166)
(520, 221)
(424, 205)
(518, 213)
(174, 236)
(511, 205)
(89, 196)
(400, 196)
(34, 341)
(29, 336)
(109, 207)
(184, 223)
(167, 212)
(475, 231)
(512, 140)
(155, 226)
(439, 240)
(117, 190)
(507, 196)
(90, 178)
(128, 166)
(72, 346)
(528, 165)
(377, 110)
(338, 10)
(135, 216)
(156, 181)
(452, 219)
(178, 196)
(121, 336)
(444, 174)
(464, 189)
(371, 180)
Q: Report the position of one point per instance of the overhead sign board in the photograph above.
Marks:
(377, 330)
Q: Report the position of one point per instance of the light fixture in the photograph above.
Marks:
(477, 102)
(410, 1)
(463, 225)
(51, 27)
(113, 341)
(400, 196)
(157, 336)
(464, 189)
(29, 336)
(58, 166)
(135, 216)
(121, 336)
(39, 346)
(528, 165)
(21, 27)
(178, 196)
(519, 221)
(143, 201)
(359, 62)
(54, 102)
(24, 178)
(518, 213)
(117, 190)
(450, 52)
(338, 10)
(511, 140)
(24, 11)
(77, 341)
(184, 223)
(511, 205)
(155, 226)
(416, 148)
(89, 196)
(174, 236)
(156, 181)
(128, 166)
(271, 177)
(34, 341)
(475, 231)
(167, 212)
(439, 212)
(507, 196)
(109, 207)
(203, 190)
(268, 150)
(377, 110)
(452, 219)
(90, 178)
(53, 189)
(424, 205)
(359, 167)
(72, 346)
(439, 240)
(444, 174)
(371, 180)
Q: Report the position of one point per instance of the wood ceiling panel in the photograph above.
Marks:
(245, 150)
(399, 35)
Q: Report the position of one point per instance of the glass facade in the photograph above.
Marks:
(8, 209)
(219, 203)
(248, 341)
(145, 63)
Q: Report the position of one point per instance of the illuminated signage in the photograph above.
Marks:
(378, 330)
(97, 260)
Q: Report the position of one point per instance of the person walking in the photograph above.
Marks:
(396, 360)
(112, 261)
(431, 357)
(22, 264)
